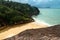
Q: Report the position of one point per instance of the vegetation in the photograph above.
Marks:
(14, 13)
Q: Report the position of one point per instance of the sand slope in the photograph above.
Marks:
(16, 30)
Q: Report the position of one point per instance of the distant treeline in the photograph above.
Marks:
(14, 13)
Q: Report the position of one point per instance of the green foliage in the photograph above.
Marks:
(13, 12)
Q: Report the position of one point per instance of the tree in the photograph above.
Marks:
(13, 12)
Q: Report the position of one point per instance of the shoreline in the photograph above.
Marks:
(40, 21)
(19, 28)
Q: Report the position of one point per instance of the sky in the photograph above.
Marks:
(42, 3)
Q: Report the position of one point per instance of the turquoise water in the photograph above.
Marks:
(49, 16)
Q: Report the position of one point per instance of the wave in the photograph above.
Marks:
(39, 21)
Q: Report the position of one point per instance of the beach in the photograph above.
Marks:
(19, 28)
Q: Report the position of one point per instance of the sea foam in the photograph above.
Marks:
(38, 21)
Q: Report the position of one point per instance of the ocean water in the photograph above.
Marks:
(48, 16)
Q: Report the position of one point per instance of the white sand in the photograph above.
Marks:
(18, 29)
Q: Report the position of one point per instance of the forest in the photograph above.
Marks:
(15, 13)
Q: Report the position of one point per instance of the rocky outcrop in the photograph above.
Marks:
(50, 33)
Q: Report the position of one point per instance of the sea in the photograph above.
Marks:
(48, 16)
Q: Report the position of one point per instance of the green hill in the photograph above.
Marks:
(14, 13)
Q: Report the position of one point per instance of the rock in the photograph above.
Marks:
(50, 33)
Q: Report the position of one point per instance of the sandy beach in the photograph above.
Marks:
(19, 28)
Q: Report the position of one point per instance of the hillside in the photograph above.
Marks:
(49, 33)
(16, 13)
